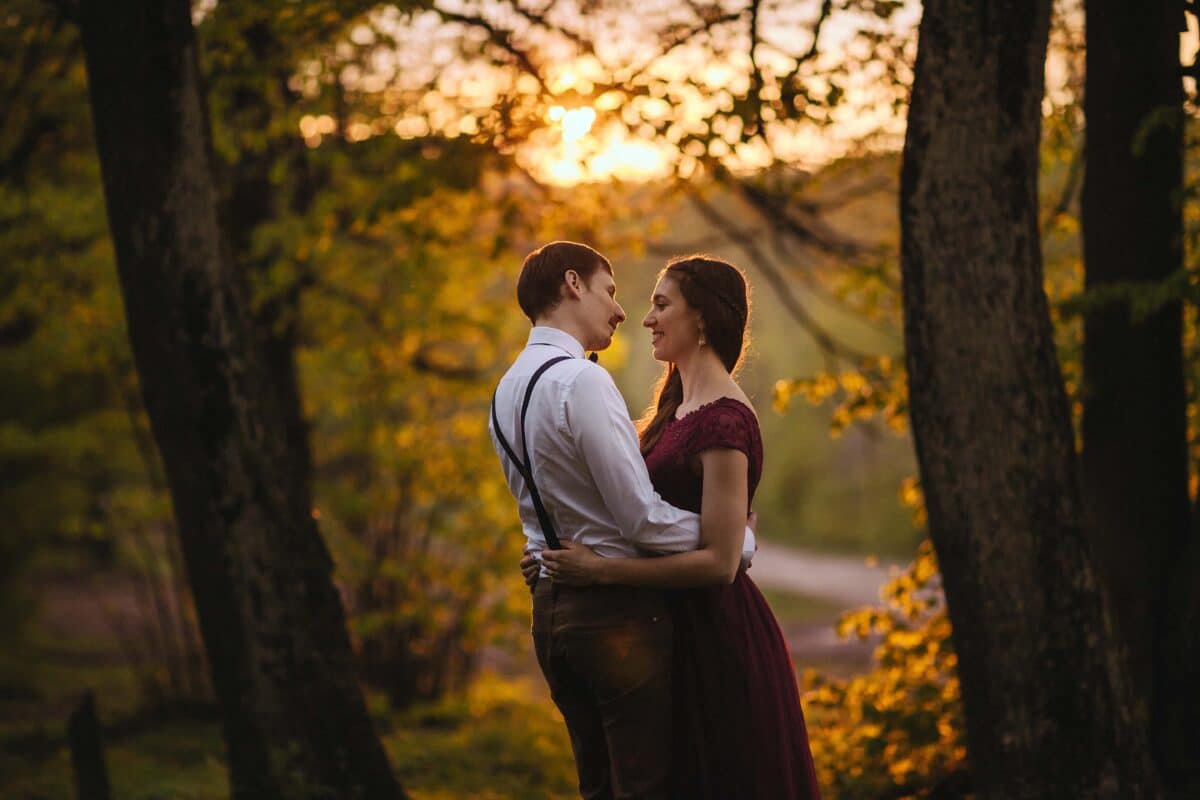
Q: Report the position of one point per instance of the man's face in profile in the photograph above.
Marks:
(599, 310)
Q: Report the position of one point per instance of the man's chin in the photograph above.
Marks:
(601, 344)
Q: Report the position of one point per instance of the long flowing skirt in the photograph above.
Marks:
(739, 729)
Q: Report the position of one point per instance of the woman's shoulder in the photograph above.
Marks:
(723, 406)
(723, 422)
(727, 399)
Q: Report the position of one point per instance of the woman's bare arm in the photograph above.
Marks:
(722, 530)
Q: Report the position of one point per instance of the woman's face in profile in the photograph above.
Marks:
(674, 325)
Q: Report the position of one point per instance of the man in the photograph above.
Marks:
(575, 468)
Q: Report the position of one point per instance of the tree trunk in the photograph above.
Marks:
(87, 751)
(1135, 462)
(254, 198)
(1047, 710)
(273, 625)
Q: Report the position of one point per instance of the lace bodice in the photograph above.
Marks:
(725, 422)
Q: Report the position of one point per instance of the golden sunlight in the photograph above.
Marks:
(575, 123)
(571, 150)
(566, 155)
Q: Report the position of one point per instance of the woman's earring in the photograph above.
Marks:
(702, 342)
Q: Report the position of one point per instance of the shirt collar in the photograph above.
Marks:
(544, 334)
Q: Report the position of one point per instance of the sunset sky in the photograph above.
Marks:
(436, 76)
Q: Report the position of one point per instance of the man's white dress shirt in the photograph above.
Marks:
(585, 457)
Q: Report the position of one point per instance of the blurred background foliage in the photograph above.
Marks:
(384, 168)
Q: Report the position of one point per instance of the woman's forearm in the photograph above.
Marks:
(722, 521)
(682, 570)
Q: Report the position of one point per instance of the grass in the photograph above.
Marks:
(500, 739)
(182, 761)
(42, 680)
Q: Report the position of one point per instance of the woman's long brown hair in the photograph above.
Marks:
(717, 291)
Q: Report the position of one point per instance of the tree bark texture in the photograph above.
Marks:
(1047, 709)
(1135, 461)
(273, 625)
(254, 199)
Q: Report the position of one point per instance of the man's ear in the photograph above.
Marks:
(573, 284)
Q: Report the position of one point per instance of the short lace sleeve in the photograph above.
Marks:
(725, 423)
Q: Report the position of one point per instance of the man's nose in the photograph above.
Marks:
(620, 313)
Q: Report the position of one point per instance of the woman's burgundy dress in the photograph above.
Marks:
(739, 730)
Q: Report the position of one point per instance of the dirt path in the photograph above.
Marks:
(72, 608)
(846, 580)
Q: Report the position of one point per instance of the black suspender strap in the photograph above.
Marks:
(525, 467)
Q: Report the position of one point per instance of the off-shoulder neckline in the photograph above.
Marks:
(710, 403)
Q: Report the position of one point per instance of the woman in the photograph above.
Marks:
(739, 729)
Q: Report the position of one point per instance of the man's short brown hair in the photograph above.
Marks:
(539, 289)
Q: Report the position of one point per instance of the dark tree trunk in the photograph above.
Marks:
(254, 198)
(87, 751)
(1135, 468)
(273, 625)
(1047, 709)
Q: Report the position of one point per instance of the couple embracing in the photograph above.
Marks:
(662, 655)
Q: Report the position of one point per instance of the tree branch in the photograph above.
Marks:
(810, 54)
(680, 35)
(830, 346)
(756, 77)
(501, 38)
(539, 18)
(779, 213)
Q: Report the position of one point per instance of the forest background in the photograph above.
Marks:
(379, 171)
